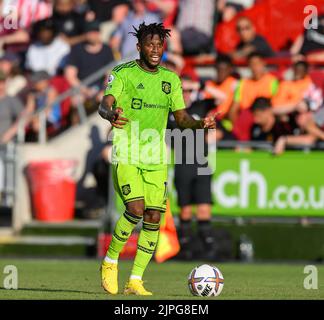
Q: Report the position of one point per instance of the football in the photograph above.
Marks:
(205, 281)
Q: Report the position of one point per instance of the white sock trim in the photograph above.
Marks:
(135, 277)
(108, 260)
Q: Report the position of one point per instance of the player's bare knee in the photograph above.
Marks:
(186, 213)
(204, 211)
(152, 216)
(135, 207)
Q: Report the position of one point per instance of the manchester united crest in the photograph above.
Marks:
(126, 189)
(166, 87)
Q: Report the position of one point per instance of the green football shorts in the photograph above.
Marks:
(133, 183)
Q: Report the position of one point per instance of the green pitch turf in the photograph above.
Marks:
(80, 279)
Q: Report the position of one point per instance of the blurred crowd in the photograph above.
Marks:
(50, 46)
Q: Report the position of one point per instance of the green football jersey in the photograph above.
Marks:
(146, 98)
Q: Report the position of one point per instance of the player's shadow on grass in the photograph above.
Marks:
(53, 290)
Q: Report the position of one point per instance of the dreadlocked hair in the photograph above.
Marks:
(153, 28)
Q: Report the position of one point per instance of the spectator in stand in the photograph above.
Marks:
(48, 50)
(68, 23)
(310, 43)
(195, 23)
(82, 7)
(268, 127)
(110, 14)
(291, 132)
(167, 10)
(309, 114)
(61, 85)
(301, 98)
(261, 84)
(173, 61)
(223, 88)
(250, 41)
(103, 10)
(11, 110)
(85, 59)
(292, 92)
(221, 91)
(230, 8)
(15, 80)
(123, 42)
(42, 94)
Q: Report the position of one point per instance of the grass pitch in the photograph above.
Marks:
(80, 279)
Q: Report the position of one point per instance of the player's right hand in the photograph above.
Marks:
(117, 120)
(113, 116)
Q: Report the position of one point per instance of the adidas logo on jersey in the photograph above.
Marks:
(140, 86)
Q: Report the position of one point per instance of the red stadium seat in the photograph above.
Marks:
(280, 22)
(318, 78)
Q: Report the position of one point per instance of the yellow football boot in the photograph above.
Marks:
(109, 277)
(135, 286)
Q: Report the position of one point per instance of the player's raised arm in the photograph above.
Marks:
(112, 115)
(185, 120)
